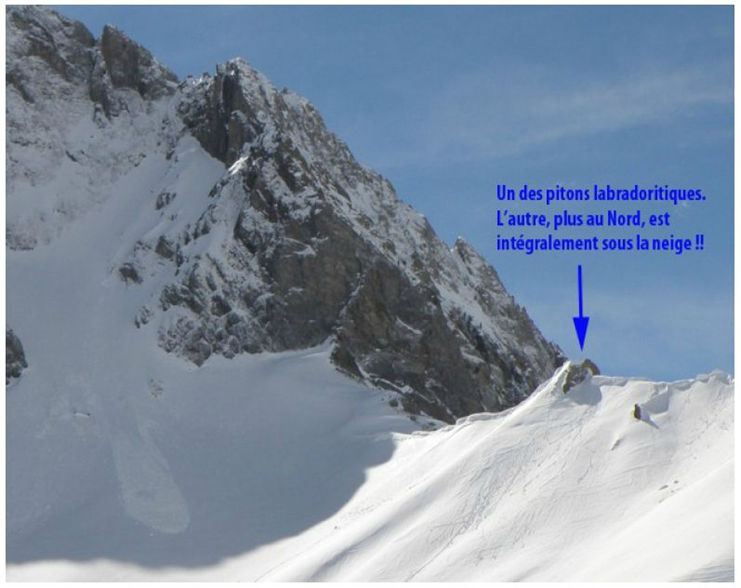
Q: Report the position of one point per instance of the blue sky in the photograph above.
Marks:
(447, 102)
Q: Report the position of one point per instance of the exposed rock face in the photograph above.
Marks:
(60, 44)
(295, 244)
(576, 373)
(49, 59)
(325, 249)
(45, 43)
(122, 63)
(15, 358)
(72, 99)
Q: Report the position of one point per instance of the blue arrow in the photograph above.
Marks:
(581, 322)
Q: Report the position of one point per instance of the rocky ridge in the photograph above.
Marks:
(294, 244)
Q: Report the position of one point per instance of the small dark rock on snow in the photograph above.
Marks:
(15, 358)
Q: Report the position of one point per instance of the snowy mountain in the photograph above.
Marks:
(188, 265)
(244, 225)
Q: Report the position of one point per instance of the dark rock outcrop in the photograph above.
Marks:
(576, 373)
(63, 44)
(15, 358)
(122, 63)
(132, 66)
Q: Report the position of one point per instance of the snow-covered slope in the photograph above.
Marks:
(297, 473)
(562, 487)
